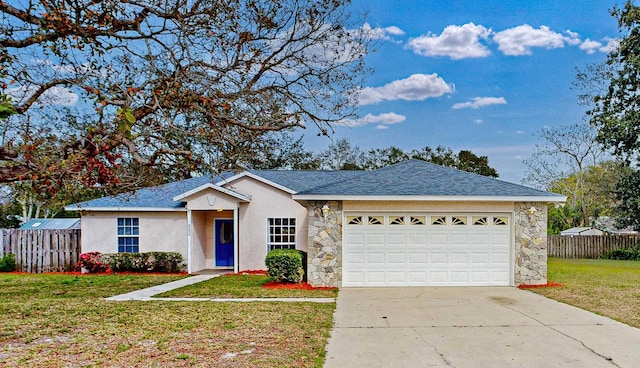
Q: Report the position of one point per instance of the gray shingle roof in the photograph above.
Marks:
(155, 197)
(302, 180)
(408, 178)
(421, 178)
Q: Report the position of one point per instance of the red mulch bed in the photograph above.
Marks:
(78, 273)
(251, 272)
(301, 286)
(548, 284)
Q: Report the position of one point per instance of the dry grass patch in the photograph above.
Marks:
(243, 286)
(607, 287)
(61, 321)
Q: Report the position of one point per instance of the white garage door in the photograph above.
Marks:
(426, 249)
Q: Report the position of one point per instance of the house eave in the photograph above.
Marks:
(444, 198)
(125, 209)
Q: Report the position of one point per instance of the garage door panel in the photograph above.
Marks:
(376, 239)
(438, 239)
(480, 258)
(427, 254)
(375, 258)
(397, 258)
(397, 277)
(500, 258)
(458, 259)
(418, 277)
(354, 258)
(418, 258)
(459, 239)
(397, 239)
(481, 276)
(417, 239)
(438, 258)
(375, 277)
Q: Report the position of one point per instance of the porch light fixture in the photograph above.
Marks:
(325, 210)
(532, 211)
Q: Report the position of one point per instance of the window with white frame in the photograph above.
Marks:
(128, 235)
(281, 233)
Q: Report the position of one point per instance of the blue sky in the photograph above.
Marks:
(479, 75)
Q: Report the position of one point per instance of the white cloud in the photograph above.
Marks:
(456, 42)
(590, 46)
(381, 33)
(478, 102)
(384, 120)
(417, 87)
(478, 121)
(519, 40)
(572, 38)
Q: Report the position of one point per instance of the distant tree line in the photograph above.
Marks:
(286, 152)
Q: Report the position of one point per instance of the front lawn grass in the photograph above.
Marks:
(62, 321)
(607, 287)
(243, 286)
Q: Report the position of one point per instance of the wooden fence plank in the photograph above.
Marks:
(588, 246)
(42, 250)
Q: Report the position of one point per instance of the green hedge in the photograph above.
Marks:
(8, 263)
(285, 265)
(629, 254)
(136, 262)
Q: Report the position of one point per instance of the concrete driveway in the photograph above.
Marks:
(472, 327)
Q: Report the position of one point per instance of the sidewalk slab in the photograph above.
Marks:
(148, 293)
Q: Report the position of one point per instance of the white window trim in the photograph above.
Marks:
(295, 234)
(118, 236)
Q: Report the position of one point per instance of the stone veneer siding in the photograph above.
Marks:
(531, 243)
(324, 256)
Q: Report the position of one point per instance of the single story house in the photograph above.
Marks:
(51, 224)
(412, 223)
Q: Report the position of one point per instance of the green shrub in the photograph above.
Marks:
(93, 262)
(8, 263)
(146, 262)
(285, 265)
(628, 254)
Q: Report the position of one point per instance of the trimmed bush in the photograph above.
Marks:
(628, 254)
(146, 262)
(8, 263)
(285, 265)
(95, 262)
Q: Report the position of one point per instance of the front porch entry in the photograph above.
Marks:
(223, 243)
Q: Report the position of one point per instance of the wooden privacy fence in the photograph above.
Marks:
(587, 246)
(42, 250)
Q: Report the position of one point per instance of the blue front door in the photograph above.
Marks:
(223, 233)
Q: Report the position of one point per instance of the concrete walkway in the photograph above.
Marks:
(148, 293)
(472, 327)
